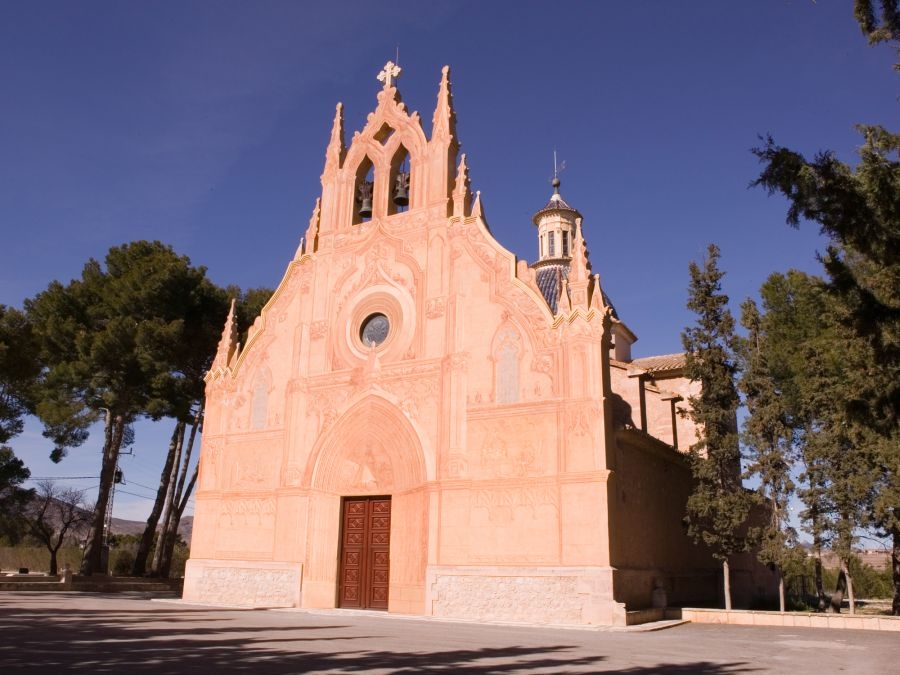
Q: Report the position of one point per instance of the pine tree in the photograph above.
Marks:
(769, 442)
(859, 208)
(719, 506)
(814, 363)
(110, 343)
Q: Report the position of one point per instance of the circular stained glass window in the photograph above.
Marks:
(374, 330)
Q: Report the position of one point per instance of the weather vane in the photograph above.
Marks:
(557, 169)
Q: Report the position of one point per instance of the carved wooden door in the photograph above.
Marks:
(365, 552)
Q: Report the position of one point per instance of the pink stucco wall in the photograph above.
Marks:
(487, 418)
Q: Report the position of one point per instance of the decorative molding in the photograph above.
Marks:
(318, 330)
(435, 307)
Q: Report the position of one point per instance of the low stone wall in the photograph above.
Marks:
(67, 581)
(243, 583)
(568, 596)
(792, 619)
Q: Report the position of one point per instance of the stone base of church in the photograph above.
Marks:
(242, 583)
(545, 595)
(560, 596)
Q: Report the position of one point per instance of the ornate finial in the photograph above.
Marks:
(389, 73)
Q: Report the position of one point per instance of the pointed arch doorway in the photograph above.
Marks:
(369, 472)
(364, 572)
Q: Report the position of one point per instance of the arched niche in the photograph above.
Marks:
(363, 185)
(400, 166)
(259, 404)
(507, 350)
(370, 449)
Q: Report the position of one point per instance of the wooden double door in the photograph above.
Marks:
(364, 572)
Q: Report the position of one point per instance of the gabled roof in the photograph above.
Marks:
(656, 364)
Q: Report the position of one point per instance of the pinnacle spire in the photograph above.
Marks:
(477, 210)
(443, 124)
(334, 155)
(312, 232)
(228, 344)
(462, 194)
(580, 269)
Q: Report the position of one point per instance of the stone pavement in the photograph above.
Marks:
(68, 632)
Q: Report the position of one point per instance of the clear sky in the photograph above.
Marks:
(204, 123)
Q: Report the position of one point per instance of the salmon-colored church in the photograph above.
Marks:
(420, 423)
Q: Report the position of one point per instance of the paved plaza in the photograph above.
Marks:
(69, 632)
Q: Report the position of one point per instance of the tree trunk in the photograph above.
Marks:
(895, 566)
(114, 429)
(54, 566)
(182, 494)
(820, 589)
(781, 607)
(726, 583)
(168, 505)
(176, 521)
(837, 598)
(845, 568)
(143, 552)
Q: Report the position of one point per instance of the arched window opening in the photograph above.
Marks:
(362, 193)
(399, 183)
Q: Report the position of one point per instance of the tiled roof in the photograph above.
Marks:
(549, 280)
(654, 364)
(556, 203)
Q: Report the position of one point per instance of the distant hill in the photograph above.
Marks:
(122, 526)
(136, 527)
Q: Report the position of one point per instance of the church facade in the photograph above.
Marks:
(422, 424)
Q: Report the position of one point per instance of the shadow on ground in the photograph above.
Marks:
(161, 640)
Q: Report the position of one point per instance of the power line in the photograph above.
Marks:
(146, 487)
(134, 494)
(62, 477)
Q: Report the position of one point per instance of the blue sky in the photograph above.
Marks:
(204, 125)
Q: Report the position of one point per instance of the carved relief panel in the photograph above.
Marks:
(512, 446)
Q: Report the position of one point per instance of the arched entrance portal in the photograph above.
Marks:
(372, 462)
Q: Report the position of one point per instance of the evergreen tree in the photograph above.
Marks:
(769, 441)
(110, 343)
(859, 209)
(814, 362)
(719, 507)
(176, 481)
(13, 498)
(19, 369)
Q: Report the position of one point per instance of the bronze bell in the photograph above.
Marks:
(401, 192)
(365, 199)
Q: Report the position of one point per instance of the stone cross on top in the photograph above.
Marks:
(390, 72)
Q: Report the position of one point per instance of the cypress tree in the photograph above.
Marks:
(718, 507)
